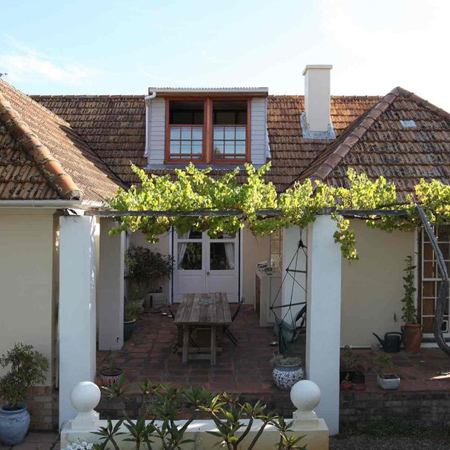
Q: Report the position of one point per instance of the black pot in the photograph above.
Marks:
(359, 378)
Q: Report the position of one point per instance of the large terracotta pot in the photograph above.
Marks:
(412, 337)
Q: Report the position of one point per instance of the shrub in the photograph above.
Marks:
(27, 368)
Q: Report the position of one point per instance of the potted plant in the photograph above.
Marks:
(27, 367)
(111, 374)
(146, 270)
(131, 315)
(381, 364)
(359, 378)
(349, 361)
(412, 330)
(287, 371)
(346, 384)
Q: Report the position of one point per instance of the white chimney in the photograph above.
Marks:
(317, 119)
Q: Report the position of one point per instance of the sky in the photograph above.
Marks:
(124, 47)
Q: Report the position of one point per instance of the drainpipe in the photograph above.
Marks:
(148, 117)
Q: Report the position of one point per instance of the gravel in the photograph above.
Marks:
(365, 442)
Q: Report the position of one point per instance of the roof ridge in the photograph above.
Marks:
(51, 169)
(422, 102)
(339, 149)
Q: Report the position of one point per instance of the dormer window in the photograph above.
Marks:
(207, 130)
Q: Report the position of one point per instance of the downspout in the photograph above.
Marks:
(148, 118)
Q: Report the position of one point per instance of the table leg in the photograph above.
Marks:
(213, 344)
(185, 343)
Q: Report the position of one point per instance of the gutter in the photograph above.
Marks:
(49, 204)
(148, 118)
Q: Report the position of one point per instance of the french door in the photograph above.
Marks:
(206, 265)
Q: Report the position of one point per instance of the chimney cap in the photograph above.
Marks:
(317, 67)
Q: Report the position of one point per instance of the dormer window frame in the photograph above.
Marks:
(207, 131)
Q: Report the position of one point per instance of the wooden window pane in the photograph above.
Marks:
(218, 132)
(443, 233)
(427, 323)
(186, 133)
(240, 148)
(429, 289)
(197, 133)
(429, 269)
(175, 147)
(445, 251)
(197, 147)
(218, 147)
(240, 133)
(175, 133)
(428, 252)
(230, 133)
(428, 307)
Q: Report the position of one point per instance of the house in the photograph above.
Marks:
(60, 155)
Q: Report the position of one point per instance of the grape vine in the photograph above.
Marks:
(194, 189)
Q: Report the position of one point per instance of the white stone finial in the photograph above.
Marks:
(85, 397)
(305, 395)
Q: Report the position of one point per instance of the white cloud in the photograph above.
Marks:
(24, 64)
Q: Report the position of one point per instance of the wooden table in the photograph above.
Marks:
(205, 310)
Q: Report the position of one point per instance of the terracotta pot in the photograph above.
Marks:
(412, 337)
(346, 386)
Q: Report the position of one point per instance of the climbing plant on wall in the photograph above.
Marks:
(197, 196)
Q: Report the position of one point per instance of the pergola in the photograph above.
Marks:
(81, 290)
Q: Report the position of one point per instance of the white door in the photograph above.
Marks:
(205, 265)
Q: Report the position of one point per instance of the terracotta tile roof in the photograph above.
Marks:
(379, 144)
(291, 154)
(113, 126)
(42, 157)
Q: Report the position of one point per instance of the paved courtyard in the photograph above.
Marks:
(36, 441)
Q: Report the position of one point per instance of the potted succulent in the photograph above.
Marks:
(27, 367)
(131, 315)
(381, 364)
(146, 270)
(412, 332)
(287, 371)
(111, 374)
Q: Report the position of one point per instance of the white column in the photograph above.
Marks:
(110, 289)
(324, 317)
(77, 320)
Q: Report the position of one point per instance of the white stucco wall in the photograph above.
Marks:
(26, 280)
(255, 250)
(372, 288)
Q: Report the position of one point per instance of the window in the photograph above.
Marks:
(430, 278)
(207, 131)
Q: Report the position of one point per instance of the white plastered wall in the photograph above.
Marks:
(372, 288)
(26, 280)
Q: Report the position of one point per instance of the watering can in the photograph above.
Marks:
(391, 342)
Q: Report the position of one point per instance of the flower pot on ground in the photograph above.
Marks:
(27, 367)
(359, 379)
(111, 374)
(348, 364)
(346, 384)
(381, 364)
(131, 315)
(412, 332)
(287, 371)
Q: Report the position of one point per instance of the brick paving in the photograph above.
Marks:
(245, 368)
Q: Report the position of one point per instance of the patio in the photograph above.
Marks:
(244, 368)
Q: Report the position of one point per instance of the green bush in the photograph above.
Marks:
(27, 368)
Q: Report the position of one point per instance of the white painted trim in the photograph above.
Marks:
(256, 90)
